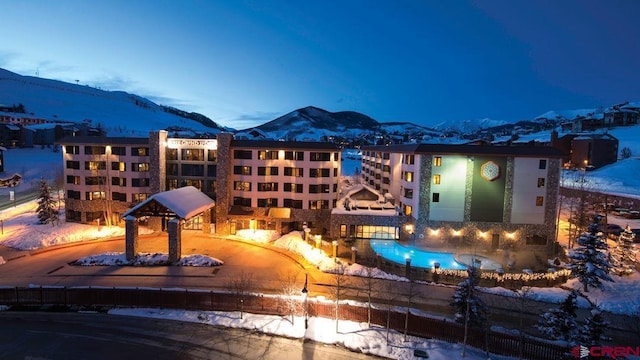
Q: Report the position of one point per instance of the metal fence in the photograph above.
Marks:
(106, 297)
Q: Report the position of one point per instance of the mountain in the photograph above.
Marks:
(468, 126)
(312, 123)
(117, 112)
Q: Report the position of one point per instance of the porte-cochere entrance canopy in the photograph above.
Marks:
(180, 204)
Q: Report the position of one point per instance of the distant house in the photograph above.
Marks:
(19, 119)
(586, 150)
(622, 114)
(10, 135)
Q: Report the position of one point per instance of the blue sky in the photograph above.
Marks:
(243, 63)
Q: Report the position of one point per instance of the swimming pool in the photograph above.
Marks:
(398, 253)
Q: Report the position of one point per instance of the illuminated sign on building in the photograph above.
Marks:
(211, 144)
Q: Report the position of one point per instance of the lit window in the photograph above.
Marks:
(408, 176)
(540, 182)
(539, 200)
(437, 161)
(436, 179)
(242, 185)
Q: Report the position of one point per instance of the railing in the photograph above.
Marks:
(106, 297)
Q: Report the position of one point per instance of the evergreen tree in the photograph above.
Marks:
(592, 332)
(623, 255)
(466, 299)
(47, 211)
(560, 323)
(590, 261)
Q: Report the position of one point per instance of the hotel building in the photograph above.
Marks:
(482, 196)
(277, 185)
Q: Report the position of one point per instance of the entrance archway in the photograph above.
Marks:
(178, 205)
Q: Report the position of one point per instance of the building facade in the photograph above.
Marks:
(476, 195)
(256, 184)
(104, 177)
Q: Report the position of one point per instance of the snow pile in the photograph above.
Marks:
(293, 242)
(146, 259)
(259, 236)
(352, 335)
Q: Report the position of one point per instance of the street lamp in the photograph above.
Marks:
(305, 293)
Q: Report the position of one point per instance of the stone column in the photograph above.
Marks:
(131, 237)
(175, 240)
(158, 160)
(223, 182)
(206, 222)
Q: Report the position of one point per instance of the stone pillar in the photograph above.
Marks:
(131, 237)
(158, 161)
(354, 254)
(223, 183)
(206, 222)
(175, 240)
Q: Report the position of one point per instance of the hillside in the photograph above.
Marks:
(312, 123)
(118, 112)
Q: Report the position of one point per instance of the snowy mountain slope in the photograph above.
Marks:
(312, 123)
(571, 114)
(468, 126)
(118, 112)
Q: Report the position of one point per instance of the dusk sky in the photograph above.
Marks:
(243, 63)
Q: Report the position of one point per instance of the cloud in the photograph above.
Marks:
(262, 116)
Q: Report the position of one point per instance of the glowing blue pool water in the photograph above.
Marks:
(398, 253)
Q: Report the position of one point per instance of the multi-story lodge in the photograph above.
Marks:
(486, 196)
(255, 184)
(104, 176)
(482, 196)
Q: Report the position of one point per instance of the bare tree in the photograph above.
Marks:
(523, 295)
(291, 291)
(410, 294)
(240, 287)
(389, 293)
(340, 280)
(367, 283)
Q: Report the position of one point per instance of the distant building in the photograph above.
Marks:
(622, 114)
(586, 150)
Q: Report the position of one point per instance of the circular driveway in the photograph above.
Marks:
(52, 267)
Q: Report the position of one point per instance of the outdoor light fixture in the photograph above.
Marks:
(456, 232)
(434, 232)
(483, 234)
(409, 228)
(305, 293)
(511, 235)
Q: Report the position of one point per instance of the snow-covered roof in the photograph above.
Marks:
(186, 202)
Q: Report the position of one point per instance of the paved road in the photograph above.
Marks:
(44, 336)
